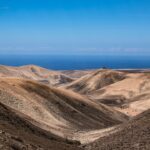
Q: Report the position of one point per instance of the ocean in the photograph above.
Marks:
(72, 62)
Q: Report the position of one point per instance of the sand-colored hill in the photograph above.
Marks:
(89, 112)
(95, 80)
(134, 135)
(77, 73)
(17, 133)
(58, 111)
(131, 95)
(37, 73)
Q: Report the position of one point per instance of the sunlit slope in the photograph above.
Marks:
(131, 95)
(37, 73)
(95, 80)
(77, 73)
(17, 133)
(59, 111)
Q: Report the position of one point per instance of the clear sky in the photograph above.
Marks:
(75, 26)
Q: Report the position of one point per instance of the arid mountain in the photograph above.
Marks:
(17, 133)
(95, 80)
(36, 73)
(77, 73)
(101, 109)
(58, 111)
(134, 135)
(131, 95)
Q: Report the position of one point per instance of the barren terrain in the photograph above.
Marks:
(134, 135)
(100, 109)
(36, 73)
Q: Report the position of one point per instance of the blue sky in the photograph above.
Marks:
(75, 26)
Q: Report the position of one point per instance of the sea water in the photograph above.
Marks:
(71, 62)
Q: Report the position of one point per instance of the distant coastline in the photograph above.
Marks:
(77, 62)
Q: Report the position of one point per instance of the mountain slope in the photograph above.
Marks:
(130, 95)
(58, 111)
(133, 135)
(95, 80)
(77, 73)
(17, 133)
(37, 73)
